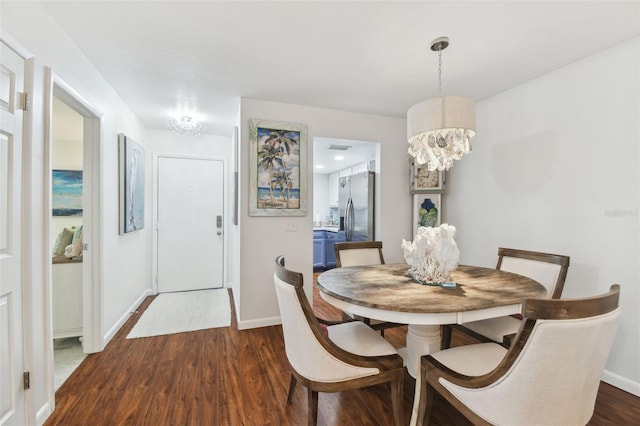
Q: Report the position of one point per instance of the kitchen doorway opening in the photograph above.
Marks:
(346, 195)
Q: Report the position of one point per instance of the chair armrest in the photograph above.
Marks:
(382, 362)
(436, 369)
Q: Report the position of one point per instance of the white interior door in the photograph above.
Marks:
(190, 224)
(12, 411)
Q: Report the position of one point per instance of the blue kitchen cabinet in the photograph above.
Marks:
(319, 252)
(330, 239)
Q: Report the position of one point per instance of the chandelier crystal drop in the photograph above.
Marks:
(439, 130)
(438, 148)
(186, 126)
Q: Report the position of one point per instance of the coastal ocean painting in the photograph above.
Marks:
(278, 168)
(67, 193)
(131, 185)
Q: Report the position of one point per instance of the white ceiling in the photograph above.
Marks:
(370, 57)
(333, 160)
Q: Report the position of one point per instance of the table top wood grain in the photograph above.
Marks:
(389, 287)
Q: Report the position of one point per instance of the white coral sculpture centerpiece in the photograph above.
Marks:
(433, 254)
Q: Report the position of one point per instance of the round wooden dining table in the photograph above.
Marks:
(388, 293)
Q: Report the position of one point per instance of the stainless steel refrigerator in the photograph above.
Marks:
(356, 200)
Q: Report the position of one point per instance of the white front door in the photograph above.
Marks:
(190, 206)
(12, 397)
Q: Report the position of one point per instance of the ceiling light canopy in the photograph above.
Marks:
(439, 130)
(186, 125)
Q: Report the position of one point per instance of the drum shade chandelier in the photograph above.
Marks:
(439, 130)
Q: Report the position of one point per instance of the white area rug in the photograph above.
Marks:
(171, 313)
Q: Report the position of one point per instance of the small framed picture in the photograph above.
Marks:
(424, 181)
(427, 210)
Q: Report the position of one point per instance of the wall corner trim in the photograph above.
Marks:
(257, 323)
(113, 330)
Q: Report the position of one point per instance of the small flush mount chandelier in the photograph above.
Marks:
(186, 125)
(439, 130)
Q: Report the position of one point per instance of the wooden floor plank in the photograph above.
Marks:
(228, 377)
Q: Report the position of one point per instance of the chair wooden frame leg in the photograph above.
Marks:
(397, 394)
(313, 407)
(292, 388)
(425, 405)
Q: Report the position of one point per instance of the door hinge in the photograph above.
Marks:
(26, 383)
(24, 101)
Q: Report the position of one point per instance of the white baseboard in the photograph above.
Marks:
(43, 413)
(262, 322)
(113, 330)
(621, 382)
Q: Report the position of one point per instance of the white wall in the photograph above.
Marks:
(264, 238)
(320, 196)
(166, 142)
(555, 169)
(126, 270)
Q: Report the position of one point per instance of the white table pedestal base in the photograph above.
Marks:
(421, 340)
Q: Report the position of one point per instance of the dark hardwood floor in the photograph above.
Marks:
(226, 377)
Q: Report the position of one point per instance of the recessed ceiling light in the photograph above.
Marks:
(319, 166)
(338, 157)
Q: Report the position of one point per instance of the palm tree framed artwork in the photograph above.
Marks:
(278, 172)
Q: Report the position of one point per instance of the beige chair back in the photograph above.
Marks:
(550, 270)
(358, 253)
(553, 370)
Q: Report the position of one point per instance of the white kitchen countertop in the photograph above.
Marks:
(326, 228)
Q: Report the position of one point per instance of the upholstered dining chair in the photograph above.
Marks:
(342, 356)
(550, 270)
(360, 253)
(549, 376)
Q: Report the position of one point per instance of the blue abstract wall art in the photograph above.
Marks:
(67, 192)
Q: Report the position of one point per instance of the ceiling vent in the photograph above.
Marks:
(340, 147)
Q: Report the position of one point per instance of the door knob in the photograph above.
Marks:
(219, 232)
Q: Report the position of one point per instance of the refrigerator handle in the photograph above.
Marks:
(348, 220)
